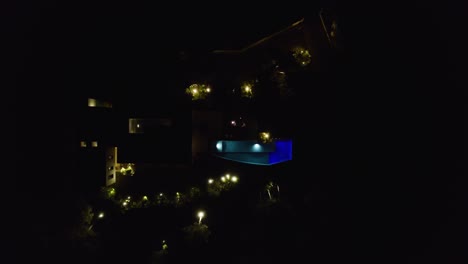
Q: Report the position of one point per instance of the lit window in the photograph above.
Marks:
(98, 103)
(147, 125)
(83, 144)
(91, 102)
(94, 144)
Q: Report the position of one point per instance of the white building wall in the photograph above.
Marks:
(111, 163)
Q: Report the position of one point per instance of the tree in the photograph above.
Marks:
(196, 235)
(198, 91)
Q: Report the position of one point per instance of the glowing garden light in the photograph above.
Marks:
(223, 179)
(228, 176)
(265, 137)
(302, 56)
(145, 198)
(101, 215)
(200, 215)
(210, 181)
(198, 91)
(247, 89)
(161, 194)
(234, 179)
(124, 203)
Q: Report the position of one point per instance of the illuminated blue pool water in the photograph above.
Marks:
(253, 152)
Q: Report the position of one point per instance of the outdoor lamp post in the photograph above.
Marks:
(200, 215)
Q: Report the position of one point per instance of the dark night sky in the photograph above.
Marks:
(96, 41)
(144, 44)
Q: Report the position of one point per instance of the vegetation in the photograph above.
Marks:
(198, 91)
(196, 234)
(265, 137)
(247, 89)
(170, 239)
(302, 56)
(128, 169)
